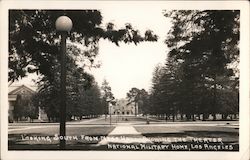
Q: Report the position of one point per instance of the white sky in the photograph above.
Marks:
(129, 65)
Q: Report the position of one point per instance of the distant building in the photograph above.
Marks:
(122, 108)
(22, 90)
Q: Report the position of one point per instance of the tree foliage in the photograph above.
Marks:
(107, 96)
(34, 43)
(83, 97)
(203, 46)
(25, 107)
(139, 97)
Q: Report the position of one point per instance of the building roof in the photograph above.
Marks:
(15, 88)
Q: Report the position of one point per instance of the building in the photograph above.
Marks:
(122, 108)
(22, 90)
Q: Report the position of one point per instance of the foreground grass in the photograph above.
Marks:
(194, 136)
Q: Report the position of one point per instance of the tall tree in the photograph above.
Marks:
(157, 99)
(139, 97)
(166, 89)
(133, 97)
(107, 96)
(90, 102)
(143, 104)
(77, 81)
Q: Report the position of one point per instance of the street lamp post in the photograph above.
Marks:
(63, 26)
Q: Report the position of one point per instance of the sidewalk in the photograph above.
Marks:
(124, 133)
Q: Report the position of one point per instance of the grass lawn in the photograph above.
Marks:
(228, 136)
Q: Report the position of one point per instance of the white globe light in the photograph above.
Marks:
(64, 23)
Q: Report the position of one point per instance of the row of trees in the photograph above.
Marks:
(200, 76)
(81, 101)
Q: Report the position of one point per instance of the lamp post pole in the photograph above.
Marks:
(63, 25)
(63, 91)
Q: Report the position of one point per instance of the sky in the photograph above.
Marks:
(129, 65)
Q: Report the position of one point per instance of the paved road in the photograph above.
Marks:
(17, 128)
(126, 119)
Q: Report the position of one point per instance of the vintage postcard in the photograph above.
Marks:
(125, 80)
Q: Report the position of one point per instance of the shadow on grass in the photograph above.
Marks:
(55, 147)
(210, 134)
(17, 142)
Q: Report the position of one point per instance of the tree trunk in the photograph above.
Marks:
(224, 116)
(181, 116)
(214, 98)
(135, 109)
(214, 116)
(205, 116)
(235, 116)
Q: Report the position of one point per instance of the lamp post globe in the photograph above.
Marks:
(63, 24)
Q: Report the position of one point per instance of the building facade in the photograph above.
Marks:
(24, 91)
(122, 108)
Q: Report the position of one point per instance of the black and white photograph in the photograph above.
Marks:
(126, 78)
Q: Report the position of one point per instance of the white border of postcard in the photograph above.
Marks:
(243, 154)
